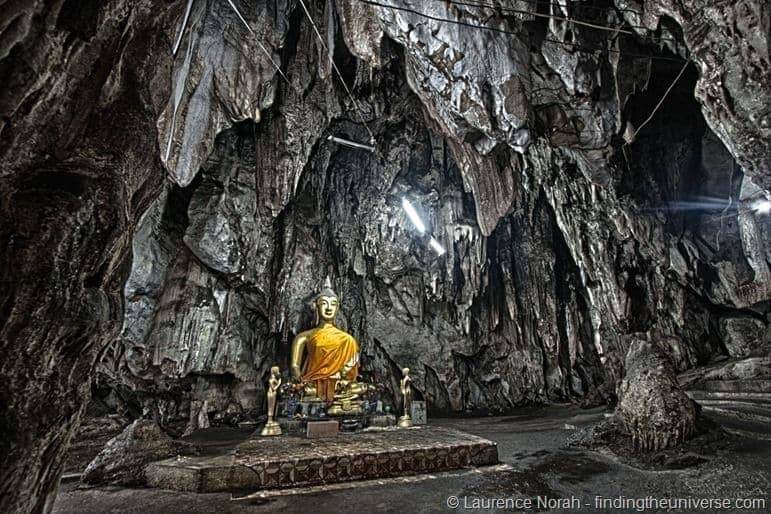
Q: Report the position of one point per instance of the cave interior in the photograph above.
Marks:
(178, 178)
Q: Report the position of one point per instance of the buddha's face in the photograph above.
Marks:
(327, 307)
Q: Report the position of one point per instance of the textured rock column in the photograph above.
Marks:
(78, 165)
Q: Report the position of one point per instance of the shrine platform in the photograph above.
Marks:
(291, 461)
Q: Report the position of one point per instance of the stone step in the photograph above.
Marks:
(755, 406)
(739, 401)
(760, 430)
(289, 461)
(736, 386)
(699, 395)
(749, 368)
(762, 415)
(742, 432)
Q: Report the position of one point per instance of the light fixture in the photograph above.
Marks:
(413, 215)
(436, 246)
(762, 207)
(352, 144)
(420, 226)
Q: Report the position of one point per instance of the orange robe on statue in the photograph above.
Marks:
(329, 349)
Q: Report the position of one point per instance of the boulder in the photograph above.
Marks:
(741, 335)
(655, 410)
(123, 459)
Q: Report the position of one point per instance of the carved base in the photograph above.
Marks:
(271, 428)
(405, 421)
(280, 462)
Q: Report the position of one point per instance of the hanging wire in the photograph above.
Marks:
(510, 32)
(339, 75)
(184, 26)
(495, 29)
(264, 50)
(283, 75)
(546, 2)
(550, 16)
(661, 101)
(435, 18)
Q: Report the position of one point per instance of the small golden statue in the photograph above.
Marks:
(274, 382)
(406, 420)
(331, 364)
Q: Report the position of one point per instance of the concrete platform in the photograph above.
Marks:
(289, 461)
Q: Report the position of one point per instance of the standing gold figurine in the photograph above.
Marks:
(274, 382)
(406, 420)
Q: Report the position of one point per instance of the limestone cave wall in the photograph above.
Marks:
(565, 235)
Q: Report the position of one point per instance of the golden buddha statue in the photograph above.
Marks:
(331, 366)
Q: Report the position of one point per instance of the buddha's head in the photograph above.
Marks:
(327, 303)
(327, 306)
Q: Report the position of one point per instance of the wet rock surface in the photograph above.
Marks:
(124, 457)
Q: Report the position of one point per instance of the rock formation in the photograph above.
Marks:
(170, 201)
(656, 411)
(79, 165)
(124, 457)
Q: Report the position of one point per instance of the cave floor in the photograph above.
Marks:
(534, 463)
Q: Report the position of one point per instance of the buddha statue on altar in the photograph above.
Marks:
(325, 360)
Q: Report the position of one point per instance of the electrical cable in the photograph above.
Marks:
(184, 26)
(265, 50)
(550, 16)
(576, 4)
(278, 68)
(664, 96)
(546, 2)
(510, 32)
(339, 75)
